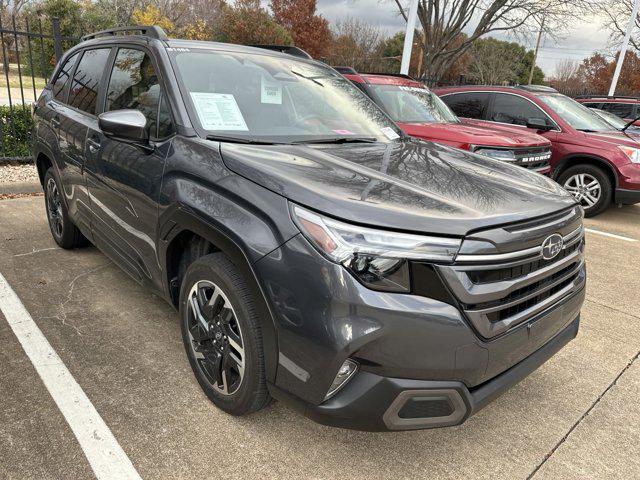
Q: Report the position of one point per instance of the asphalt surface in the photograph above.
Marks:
(578, 416)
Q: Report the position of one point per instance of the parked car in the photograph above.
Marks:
(315, 253)
(420, 113)
(616, 122)
(592, 160)
(627, 108)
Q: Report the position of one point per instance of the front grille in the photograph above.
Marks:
(509, 273)
(536, 158)
(502, 290)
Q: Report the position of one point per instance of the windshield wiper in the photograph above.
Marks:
(338, 140)
(624, 129)
(231, 139)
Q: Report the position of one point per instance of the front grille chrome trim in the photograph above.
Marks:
(534, 252)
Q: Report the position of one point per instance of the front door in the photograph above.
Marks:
(124, 179)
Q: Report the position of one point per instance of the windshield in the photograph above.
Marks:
(575, 114)
(611, 118)
(273, 99)
(413, 104)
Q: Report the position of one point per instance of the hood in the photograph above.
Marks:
(408, 185)
(474, 134)
(605, 139)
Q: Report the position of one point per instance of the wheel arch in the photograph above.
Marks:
(186, 232)
(596, 161)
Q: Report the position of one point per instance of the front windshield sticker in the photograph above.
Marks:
(271, 92)
(218, 111)
(414, 89)
(390, 133)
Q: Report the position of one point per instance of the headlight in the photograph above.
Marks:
(378, 258)
(504, 155)
(632, 154)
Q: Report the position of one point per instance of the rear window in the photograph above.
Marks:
(469, 105)
(62, 80)
(86, 80)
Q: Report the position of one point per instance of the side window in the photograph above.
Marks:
(593, 105)
(62, 80)
(86, 81)
(468, 105)
(623, 110)
(134, 84)
(516, 111)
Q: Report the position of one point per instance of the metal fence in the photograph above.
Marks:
(30, 48)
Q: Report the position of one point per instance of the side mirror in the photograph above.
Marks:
(126, 125)
(539, 124)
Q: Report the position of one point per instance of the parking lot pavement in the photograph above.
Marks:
(576, 417)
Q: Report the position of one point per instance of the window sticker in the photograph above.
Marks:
(271, 92)
(414, 89)
(390, 133)
(218, 111)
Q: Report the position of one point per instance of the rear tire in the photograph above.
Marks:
(590, 185)
(223, 340)
(64, 232)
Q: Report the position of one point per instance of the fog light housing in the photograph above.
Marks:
(345, 373)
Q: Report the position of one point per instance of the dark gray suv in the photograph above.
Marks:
(315, 253)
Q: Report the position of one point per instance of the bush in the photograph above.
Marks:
(15, 131)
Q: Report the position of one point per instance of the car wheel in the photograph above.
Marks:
(221, 335)
(590, 185)
(64, 232)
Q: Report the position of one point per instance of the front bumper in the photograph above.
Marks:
(627, 197)
(375, 403)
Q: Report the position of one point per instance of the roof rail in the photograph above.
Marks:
(288, 49)
(151, 31)
(612, 97)
(386, 74)
(536, 88)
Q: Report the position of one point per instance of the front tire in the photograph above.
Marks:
(64, 232)
(221, 335)
(590, 185)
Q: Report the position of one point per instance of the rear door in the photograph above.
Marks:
(75, 117)
(124, 179)
(468, 104)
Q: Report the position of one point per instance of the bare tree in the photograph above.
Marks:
(449, 27)
(567, 76)
(356, 44)
(617, 13)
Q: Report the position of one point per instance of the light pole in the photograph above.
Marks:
(623, 50)
(408, 37)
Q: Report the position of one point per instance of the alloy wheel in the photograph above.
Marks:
(54, 208)
(585, 188)
(216, 337)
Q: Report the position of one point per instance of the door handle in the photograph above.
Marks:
(93, 146)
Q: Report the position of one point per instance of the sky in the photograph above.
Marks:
(579, 42)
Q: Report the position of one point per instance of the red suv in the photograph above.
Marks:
(420, 113)
(592, 160)
(627, 108)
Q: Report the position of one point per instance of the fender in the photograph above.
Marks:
(565, 163)
(41, 148)
(181, 218)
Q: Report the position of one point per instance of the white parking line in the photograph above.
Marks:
(612, 235)
(106, 457)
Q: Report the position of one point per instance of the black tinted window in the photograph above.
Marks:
(469, 105)
(134, 85)
(86, 81)
(62, 80)
(516, 110)
(623, 110)
(593, 105)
